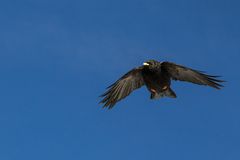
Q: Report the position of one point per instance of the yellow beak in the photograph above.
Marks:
(145, 64)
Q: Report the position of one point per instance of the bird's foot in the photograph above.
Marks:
(153, 91)
(165, 88)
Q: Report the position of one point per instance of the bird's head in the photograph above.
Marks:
(150, 63)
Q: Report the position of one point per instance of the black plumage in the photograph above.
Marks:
(157, 77)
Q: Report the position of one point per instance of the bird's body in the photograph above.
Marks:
(157, 77)
(156, 81)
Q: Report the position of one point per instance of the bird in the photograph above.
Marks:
(157, 77)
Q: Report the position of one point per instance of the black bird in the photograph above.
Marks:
(157, 77)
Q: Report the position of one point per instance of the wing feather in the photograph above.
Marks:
(182, 73)
(122, 87)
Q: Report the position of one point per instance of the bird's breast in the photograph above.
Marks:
(155, 80)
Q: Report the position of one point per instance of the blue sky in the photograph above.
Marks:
(57, 57)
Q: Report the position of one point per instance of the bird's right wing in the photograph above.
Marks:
(178, 72)
(123, 87)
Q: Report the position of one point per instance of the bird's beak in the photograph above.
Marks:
(146, 64)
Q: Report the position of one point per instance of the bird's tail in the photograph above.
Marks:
(168, 93)
(156, 95)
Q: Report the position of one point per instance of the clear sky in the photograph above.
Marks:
(58, 56)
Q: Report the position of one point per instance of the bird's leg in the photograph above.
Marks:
(165, 87)
(153, 91)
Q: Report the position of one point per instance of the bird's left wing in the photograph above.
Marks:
(178, 72)
(123, 87)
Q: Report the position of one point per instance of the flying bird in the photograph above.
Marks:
(157, 77)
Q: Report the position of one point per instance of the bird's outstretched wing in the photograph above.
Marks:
(123, 87)
(178, 72)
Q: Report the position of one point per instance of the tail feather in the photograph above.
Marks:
(156, 95)
(170, 93)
